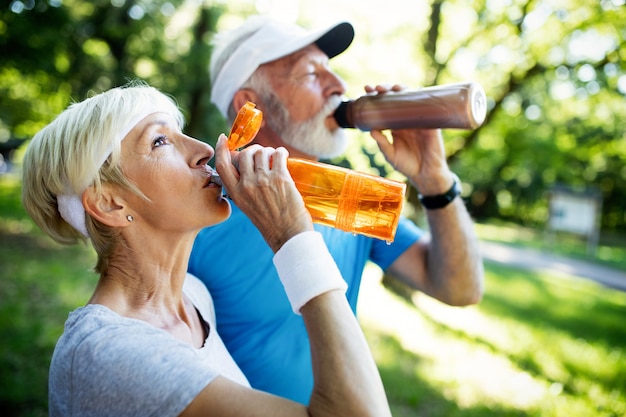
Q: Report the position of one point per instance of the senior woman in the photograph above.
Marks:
(117, 170)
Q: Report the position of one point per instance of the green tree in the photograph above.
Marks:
(55, 52)
(555, 78)
(553, 71)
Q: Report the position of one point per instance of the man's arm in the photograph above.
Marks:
(445, 264)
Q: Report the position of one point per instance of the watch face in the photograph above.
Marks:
(458, 189)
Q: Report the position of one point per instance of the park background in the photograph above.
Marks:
(540, 344)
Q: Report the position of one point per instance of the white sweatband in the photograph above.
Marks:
(307, 269)
(70, 205)
(72, 211)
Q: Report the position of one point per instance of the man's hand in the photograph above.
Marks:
(419, 154)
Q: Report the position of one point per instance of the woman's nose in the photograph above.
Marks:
(202, 152)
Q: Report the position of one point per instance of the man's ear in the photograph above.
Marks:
(244, 95)
(105, 206)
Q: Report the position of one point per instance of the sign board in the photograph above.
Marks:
(576, 212)
(572, 213)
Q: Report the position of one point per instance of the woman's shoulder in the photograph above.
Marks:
(97, 339)
(111, 362)
(95, 333)
(95, 320)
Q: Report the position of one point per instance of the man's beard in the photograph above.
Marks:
(311, 137)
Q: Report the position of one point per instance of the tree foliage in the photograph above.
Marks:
(553, 70)
(55, 52)
(555, 78)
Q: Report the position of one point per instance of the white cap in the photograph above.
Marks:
(259, 40)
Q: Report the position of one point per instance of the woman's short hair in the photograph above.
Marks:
(81, 149)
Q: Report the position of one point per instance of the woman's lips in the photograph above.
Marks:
(215, 179)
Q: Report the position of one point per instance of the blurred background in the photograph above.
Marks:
(546, 172)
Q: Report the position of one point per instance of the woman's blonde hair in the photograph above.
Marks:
(81, 149)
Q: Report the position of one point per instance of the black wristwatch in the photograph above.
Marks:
(432, 202)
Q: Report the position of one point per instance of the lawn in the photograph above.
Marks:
(537, 345)
(40, 282)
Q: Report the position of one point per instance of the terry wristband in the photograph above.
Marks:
(306, 269)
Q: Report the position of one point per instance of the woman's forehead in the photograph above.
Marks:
(159, 118)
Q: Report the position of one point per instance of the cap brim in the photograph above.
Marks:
(336, 40)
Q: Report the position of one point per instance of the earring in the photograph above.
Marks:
(130, 218)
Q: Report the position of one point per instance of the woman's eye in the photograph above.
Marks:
(159, 141)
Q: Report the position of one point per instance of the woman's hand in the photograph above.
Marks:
(259, 183)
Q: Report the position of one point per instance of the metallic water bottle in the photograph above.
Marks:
(449, 106)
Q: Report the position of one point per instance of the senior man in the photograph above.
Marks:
(284, 69)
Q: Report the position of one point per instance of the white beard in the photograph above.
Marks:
(311, 136)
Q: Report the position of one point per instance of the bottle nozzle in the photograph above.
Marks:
(245, 127)
(341, 115)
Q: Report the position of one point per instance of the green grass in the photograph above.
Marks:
(537, 345)
(40, 282)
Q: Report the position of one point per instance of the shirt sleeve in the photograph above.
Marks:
(384, 254)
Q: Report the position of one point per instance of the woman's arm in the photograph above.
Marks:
(346, 379)
(347, 382)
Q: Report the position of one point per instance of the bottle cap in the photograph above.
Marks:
(245, 127)
(478, 104)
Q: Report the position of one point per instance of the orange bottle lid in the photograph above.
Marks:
(245, 127)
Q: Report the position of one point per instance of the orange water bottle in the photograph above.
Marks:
(345, 199)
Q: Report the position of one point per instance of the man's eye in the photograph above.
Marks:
(159, 141)
(307, 75)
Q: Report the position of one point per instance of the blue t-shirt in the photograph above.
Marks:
(254, 318)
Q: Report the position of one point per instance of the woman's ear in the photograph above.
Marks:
(105, 206)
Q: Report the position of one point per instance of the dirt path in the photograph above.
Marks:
(538, 260)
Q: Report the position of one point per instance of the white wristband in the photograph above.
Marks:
(307, 269)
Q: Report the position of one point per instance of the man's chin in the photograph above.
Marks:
(337, 148)
(315, 138)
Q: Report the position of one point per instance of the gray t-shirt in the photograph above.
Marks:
(105, 364)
